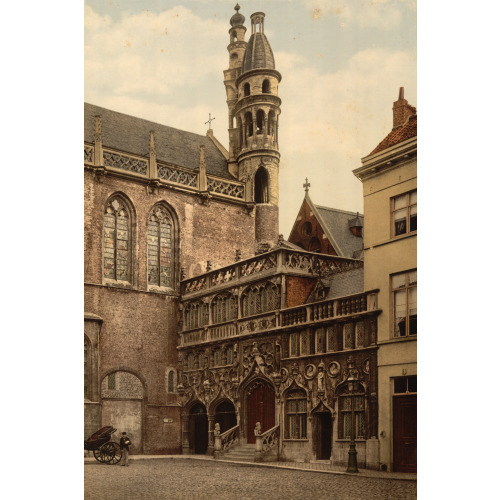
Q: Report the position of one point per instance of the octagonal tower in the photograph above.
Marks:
(254, 115)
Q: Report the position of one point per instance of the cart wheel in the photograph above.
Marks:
(106, 452)
(117, 455)
(99, 456)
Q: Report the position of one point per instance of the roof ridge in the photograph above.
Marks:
(340, 210)
(144, 120)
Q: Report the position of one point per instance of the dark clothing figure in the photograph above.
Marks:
(124, 446)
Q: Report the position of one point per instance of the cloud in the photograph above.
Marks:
(361, 13)
(151, 54)
(344, 112)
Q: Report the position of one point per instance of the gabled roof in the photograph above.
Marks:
(131, 135)
(399, 134)
(336, 223)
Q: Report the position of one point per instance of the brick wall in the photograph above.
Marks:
(297, 290)
(307, 231)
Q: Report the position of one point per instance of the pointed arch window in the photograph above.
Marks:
(196, 315)
(261, 186)
(116, 241)
(160, 248)
(259, 299)
(246, 89)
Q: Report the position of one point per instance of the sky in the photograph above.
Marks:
(342, 63)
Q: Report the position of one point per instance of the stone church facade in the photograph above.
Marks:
(201, 323)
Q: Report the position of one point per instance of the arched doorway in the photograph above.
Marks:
(260, 405)
(323, 434)
(198, 429)
(122, 405)
(225, 415)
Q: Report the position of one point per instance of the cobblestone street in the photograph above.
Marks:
(196, 479)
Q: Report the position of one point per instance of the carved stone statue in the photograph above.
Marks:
(217, 429)
(256, 431)
(321, 379)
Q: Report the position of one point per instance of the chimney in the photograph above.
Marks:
(401, 110)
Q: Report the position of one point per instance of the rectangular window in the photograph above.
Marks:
(296, 416)
(217, 357)
(405, 385)
(346, 411)
(229, 354)
(304, 343)
(320, 340)
(360, 334)
(349, 336)
(404, 213)
(294, 344)
(404, 302)
(330, 338)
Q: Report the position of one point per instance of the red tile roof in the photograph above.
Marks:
(399, 134)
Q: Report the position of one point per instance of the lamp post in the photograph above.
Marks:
(352, 464)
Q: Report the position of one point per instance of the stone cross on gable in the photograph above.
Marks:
(210, 120)
(306, 186)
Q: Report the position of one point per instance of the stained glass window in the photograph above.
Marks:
(116, 241)
(160, 255)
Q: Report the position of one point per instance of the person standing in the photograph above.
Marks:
(124, 447)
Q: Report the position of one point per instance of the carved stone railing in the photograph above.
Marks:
(88, 154)
(308, 314)
(230, 438)
(193, 337)
(225, 188)
(170, 173)
(328, 309)
(265, 442)
(125, 162)
(165, 173)
(279, 260)
(270, 438)
(222, 331)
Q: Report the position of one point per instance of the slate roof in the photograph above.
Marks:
(131, 135)
(258, 53)
(399, 134)
(337, 222)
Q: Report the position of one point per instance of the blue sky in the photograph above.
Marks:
(342, 63)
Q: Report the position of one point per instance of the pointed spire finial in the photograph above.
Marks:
(306, 186)
(237, 7)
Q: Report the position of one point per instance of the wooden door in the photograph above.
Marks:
(405, 433)
(323, 435)
(260, 408)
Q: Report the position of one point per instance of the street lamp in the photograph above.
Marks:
(352, 464)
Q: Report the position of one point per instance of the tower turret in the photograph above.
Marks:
(236, 49)
(256, 115)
